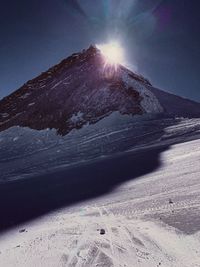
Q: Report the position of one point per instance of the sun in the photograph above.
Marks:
(112, 52)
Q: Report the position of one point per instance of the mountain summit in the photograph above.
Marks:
(81, 90)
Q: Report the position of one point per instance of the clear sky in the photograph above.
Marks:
(161, 38)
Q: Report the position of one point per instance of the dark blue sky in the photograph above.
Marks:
(161, 38)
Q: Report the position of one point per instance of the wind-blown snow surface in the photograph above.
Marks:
(152, 220)
(25, 152)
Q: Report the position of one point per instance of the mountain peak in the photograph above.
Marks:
(79, 90)
(92, 49)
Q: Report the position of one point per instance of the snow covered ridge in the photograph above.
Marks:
(149, 101)
(80, 91)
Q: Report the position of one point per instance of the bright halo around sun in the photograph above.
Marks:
(112, 52)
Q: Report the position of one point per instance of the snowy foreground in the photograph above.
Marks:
(150, 217)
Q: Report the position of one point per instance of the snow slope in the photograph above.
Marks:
(87, 181)
(149, 221)
(27, 153)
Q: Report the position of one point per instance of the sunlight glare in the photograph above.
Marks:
(112, 52)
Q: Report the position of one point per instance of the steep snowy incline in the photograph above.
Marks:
(145, 225)
(26, 153)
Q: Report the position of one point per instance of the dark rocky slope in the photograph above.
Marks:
(77, 91)
(81, 90)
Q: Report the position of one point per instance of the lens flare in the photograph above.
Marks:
(112, 52)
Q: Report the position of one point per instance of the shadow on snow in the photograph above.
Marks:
(24, 200)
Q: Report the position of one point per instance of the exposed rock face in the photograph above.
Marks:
(77, 91)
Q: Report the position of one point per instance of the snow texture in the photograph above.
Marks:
(149, 101)
(145, 225)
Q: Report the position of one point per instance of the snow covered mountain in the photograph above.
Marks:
(136, 178)
(111, 189)
(77, 92)
(80, 91)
